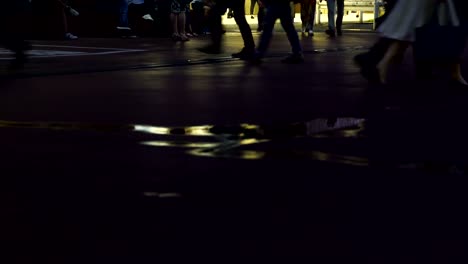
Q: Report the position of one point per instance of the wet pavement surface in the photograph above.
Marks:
(138, 151)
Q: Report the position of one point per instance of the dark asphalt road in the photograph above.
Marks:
(138, 151)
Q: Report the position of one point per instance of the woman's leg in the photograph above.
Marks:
(181, 24)
(395, 52)
(456, 75)
(175, 28)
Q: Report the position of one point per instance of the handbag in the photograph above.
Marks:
(442, 39)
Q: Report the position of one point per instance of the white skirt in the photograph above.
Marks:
(407, 15)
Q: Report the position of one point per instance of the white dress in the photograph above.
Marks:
(407, 15)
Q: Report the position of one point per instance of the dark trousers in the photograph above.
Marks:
(14, 24)
(252, 6)
(237, 6)
(281, 11)
(339, 14)
(198, 17)
(261, 17)
(308, 14)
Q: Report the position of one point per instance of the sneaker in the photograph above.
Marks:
(293, 59)
(330, 33)
(70, 36)
(244, 54)
(148, 17)
(176, 37)
(210, 50)
(183, 37)
(367, 69)
(311, 32)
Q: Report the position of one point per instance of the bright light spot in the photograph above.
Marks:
(252, 155)
(152, 130)
(251, 141)
(180, 145)
(199, 131)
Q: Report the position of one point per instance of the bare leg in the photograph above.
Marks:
(455, 74)
(181, 23)
(394, 52)
(175, 28)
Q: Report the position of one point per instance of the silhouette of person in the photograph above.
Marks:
(11, 32)
(214, 20)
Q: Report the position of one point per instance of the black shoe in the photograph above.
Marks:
(244, 54)
(256, 59)
(260, 29)
(361, 59)
(293, 59)
(330, 33)
(339, 32)
(210, 50)
(368, 70)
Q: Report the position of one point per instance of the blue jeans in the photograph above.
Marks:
(123, 13)
(338, 6)
(282, 11)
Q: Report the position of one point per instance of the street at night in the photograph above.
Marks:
(145, 150)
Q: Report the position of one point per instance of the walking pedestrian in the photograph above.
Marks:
(400, 27)
(12, 35)
(279, 9)
(214, 20)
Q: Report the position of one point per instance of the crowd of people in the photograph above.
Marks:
(188, 18)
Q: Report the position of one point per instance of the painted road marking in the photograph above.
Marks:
(52, 51)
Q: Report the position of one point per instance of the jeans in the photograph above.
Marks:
(282, 11)
(337, 5)
(123, 13)
(140, 9)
